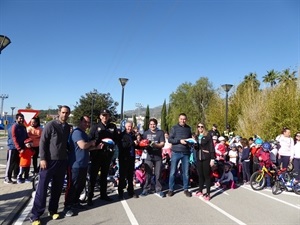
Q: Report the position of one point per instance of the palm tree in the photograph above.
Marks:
(271, 77)
(251, 79)
(287, 76)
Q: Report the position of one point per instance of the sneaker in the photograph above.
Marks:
(133, 195)
(268, 188)
(144, 194)
(14, 179)
(106, 198)
(54, 216)
(206, 198)
(27, 181)
(160, 194)
(8, 181)
(198, 194)
(19, 181)
(69, 212)
(187, 193)
(36, 222)
(170, 193)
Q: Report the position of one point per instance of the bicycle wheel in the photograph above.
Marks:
(297, 188)
(257, 181)
(35, 182)
(83, 195)
(276, 189)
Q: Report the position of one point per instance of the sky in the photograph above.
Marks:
(62, 49)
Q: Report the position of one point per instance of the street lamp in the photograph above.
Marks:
(226, 88)
(4, 41)
(5, 123)
(12, 113)
(123, 82)
(3, 96)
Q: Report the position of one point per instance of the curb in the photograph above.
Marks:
(18, 210)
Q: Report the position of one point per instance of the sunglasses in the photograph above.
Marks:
(200, 126)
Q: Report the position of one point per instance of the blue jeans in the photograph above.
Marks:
(176, 157)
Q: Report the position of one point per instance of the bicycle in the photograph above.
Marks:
(286, 180)
(83, 195)
(258, 178)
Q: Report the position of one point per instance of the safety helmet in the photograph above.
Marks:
(190, 141)
(233, 145)
(258, 141)
(266, 145)
(144, 143)
(108, 141)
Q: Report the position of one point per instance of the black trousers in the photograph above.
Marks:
(100, 161)
(203, 169)
(35, 159)
(126, 172)
(12, 165)
(55, 172)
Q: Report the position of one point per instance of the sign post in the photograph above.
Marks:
(28, 115)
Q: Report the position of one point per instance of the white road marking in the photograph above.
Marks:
(219, 190)
(129, 213)
(271, 197)
(223, 212)
(25, 213)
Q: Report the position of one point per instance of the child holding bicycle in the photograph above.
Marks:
(265, 160)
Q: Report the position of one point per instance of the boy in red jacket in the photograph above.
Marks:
(263, 156)
(25, 161)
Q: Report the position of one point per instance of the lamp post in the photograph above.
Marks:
(12, 113)
(4, 41)
(226, 88)
(5, 122)
(3, 96)
(123, 82)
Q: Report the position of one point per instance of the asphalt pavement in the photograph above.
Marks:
(13, 198)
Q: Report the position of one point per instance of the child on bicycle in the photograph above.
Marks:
(264, 158)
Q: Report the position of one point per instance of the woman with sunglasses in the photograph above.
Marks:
(205, 155)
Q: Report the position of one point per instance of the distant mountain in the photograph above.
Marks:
(154, 112)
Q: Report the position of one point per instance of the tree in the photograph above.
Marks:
(147, 118)
(163, 121)
(193, 100)
(101, 101)
(29, 106)
(134, 120)
(201, 96)
(271, 77)
(286, 76)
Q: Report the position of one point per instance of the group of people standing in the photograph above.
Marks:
(79, 153)
(23, 145)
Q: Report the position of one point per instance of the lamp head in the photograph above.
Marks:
(227, 87)
(123, 81)
(4, 41)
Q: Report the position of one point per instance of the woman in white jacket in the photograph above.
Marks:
(286, 144)
(295, 155)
